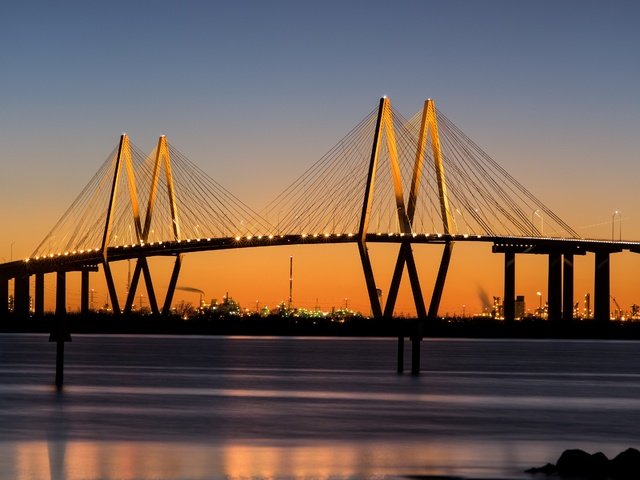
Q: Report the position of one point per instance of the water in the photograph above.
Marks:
(141, 407)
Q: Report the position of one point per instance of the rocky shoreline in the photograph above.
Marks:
(578, 464)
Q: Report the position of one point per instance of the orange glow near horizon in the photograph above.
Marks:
(330, 276)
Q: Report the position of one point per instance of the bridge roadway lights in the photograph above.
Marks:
(509, 286)
(601, 310)
(554, 284)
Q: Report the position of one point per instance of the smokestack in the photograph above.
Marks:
(290, 281)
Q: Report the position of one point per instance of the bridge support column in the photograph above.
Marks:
(567, 287)
(84, 292)
(509, 300)
(555, 286)
(416, 339)
(376, 309)
(60, 331)
(21, 295)
(39, 295)
(111, 287)
(602, 293)
(440, 280)
(4, 296)
(166, 308)
(400, 353)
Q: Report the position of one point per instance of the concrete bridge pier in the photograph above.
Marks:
(4, 295)
(415, 354)
(400, 354)
(509, 300)
(21, 295)
(60, 331)
(554, 284)
(567, 287)
(602, 288)
(84, 292)
(416, 340)
(39, 295)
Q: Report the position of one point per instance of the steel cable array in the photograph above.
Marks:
(483, 198)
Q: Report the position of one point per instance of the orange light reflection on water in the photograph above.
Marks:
(82, 460)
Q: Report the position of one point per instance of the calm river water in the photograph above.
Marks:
(151, 407)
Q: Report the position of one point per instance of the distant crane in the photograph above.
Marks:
(619, 310)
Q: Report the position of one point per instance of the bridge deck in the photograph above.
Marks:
(76, 260)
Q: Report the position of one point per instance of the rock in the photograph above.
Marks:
(578, 463)
(548, 469)
(626, 465)
(600, 465)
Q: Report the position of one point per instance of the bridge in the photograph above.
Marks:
(391, 179)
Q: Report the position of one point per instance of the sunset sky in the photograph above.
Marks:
(255, 92)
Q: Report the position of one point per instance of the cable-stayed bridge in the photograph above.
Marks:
(391, 179)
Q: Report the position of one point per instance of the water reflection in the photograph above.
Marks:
(82, 460)
(206, 408)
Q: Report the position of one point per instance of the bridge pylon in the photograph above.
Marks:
(406, 213)
(162, 162)
(142, 231)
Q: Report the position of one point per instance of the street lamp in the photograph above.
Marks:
(618, 214)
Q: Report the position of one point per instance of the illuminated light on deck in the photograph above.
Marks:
(304, 235)
(414, 235)
(465, 235)
(349, 234)
(327, 235)
(259, 237)
(270, 237)
(188, 240)
(51, 255)
(439, 235)
(238, 239)
(66, 254)
(249, 237)
(26, 260)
